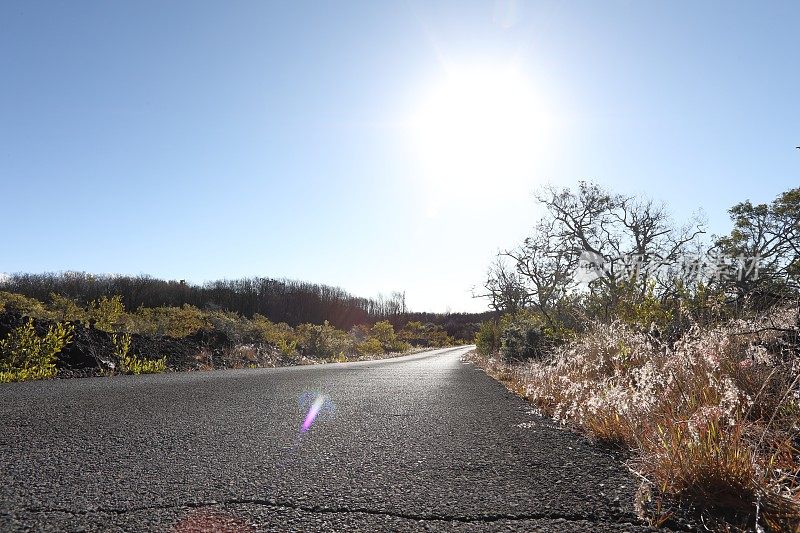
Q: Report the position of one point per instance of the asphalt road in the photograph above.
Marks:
(423, 442)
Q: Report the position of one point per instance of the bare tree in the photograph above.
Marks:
(546, 269)
(504, 288)
(621, 234)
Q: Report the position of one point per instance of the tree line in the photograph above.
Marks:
(280, 300)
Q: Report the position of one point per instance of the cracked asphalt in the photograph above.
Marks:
(422, 442)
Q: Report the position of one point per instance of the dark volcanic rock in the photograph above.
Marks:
(180, 353)
(8, 321)
(90, 348)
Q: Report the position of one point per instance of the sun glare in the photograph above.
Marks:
(479, 125)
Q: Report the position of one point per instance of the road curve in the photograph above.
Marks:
(422, 442)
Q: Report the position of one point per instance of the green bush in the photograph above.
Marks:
(237, 328)
(487, 340)
(108, 314)
(400, 346)
(323, 341)
(130, 364)
(383, 331)
(318, 341)
(26, 356)
(418, 334)
(437, 336)
(359, 333)
(521, 337)
(281, 335)
(642, 310)
(413, 331)
(10, 301)
(66, 309)
(704, 305)
(369, 347)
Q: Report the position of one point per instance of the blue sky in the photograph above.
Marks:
(203, 140)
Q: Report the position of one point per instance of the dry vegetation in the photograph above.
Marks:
(695, 371)
(117, 340)
(713, 419)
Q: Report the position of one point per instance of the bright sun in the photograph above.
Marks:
(479, 125)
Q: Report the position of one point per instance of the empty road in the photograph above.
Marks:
(422, 442)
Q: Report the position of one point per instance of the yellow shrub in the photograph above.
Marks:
(175, 322)
(10, 301)
(108, 313)
(383, 331)
(369, 347)
(65, 309)
(280, 335)
(130, 364)
(26, 356)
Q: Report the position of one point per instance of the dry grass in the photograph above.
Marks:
(713, 418)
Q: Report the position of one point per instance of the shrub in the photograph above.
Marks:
(414, 332)
(383, 331)
(23, 305)
(130, 364)
(66, 309)
(177, 322)
(359, 333)
(400, 346)
(437, 336)
(705, 305)
(521, 338)
(487, 340)
(107, 313)
(323, 341)
(643, 311)
(281, 335)
(236, 328)
(369, 347)
(26, 356)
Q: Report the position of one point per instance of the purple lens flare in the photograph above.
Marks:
(319, 401)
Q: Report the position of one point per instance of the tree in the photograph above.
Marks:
(621, 237)
(546, 269)
(770, 235)
(504, 287)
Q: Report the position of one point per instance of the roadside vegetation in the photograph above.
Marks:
(63, 336)
(278, 300)
(25, 355)
(129, 363)
(658, 339)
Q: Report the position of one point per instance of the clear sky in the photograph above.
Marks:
(376, 146)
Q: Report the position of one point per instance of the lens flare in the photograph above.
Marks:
(312, 413)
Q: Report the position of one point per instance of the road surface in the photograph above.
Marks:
(423, 442)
